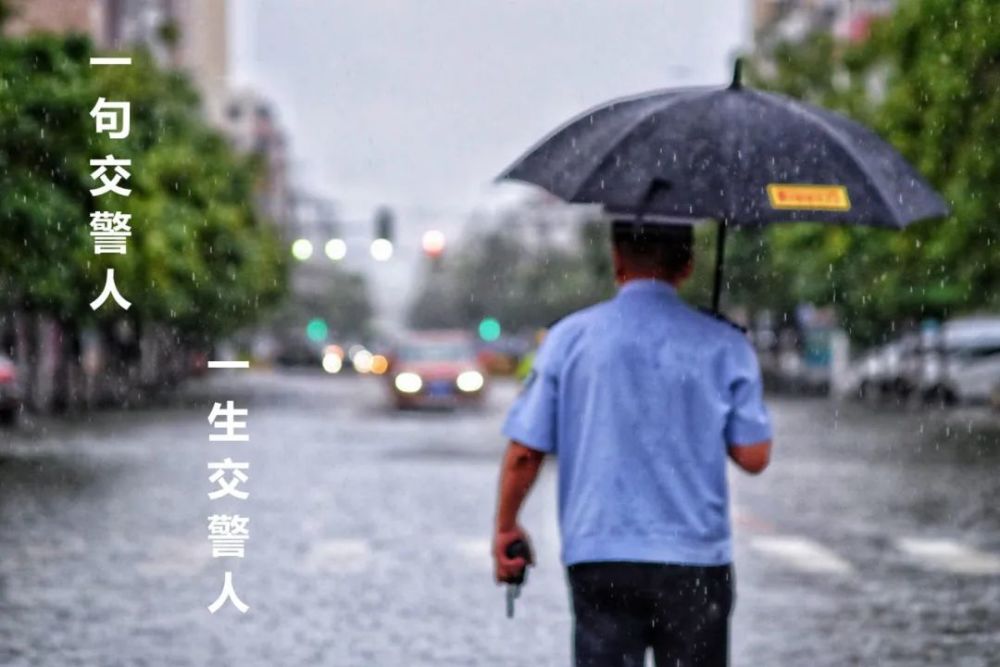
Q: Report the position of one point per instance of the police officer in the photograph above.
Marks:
(641, 398)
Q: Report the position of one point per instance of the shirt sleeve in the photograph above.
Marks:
(532, 419)
(748, 421)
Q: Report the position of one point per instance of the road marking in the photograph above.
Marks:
(175, 556)
(480, 550)
(346, 556)
(477, 549)
(949, 555)
(229, 364)
(802, 554)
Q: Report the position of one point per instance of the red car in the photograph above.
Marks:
(10, 391)
(436, 369)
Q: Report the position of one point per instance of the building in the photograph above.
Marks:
(187, 34)
(86, 16)
(250, 123)
(794, 20)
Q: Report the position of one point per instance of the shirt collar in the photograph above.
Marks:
(647, 286)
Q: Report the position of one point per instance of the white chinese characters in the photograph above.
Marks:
(110, 290)
(110, 229)
(225, 419)
(228, 486)
(112, 117)
(228, 533)
(110, 182)
(228, 594)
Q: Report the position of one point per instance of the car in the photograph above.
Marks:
(877, 374)
(10, 391)
(436, 369)
(964, 364)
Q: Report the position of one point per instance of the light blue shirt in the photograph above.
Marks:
(638, 397)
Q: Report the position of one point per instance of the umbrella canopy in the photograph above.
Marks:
(739, 156)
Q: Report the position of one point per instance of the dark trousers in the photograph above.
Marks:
(623, 609)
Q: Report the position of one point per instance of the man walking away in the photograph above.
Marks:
(641, 398)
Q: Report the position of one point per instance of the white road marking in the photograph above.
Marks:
(476, 549)
(949, 555)
(479, 551)
(176, 556)
(802, 554)
(346, 556)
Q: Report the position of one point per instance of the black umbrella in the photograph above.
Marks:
(739, 156)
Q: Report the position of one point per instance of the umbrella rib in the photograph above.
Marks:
(625, 134)
(845, 146)
(568, 125)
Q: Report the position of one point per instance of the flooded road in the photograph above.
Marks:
(874, 538)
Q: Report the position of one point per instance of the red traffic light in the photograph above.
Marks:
(433, 243)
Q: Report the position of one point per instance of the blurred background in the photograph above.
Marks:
(313, 193)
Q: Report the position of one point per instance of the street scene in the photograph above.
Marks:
(875, 541)
(599, 334)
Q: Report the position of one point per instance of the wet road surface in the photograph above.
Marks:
(873, 539)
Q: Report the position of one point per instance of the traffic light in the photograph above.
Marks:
(317, 330)
(336, 249)
(302, 249)
(384, 224)
(433, 243)
(381, 250)
(489, 329)
(381, 247)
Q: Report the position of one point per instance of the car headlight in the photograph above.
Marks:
(470, 381)
(332, 363)
(408, 383)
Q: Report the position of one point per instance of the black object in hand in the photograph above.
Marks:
(519, 549)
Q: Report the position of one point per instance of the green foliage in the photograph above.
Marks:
(928, 80)
(199, 258)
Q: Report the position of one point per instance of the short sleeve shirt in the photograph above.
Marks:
(639, 397)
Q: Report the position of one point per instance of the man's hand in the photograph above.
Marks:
(507, 569)
(752, 458)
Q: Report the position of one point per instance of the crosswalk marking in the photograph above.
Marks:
(176, 556)
(476, 549)
(347, 556)
(949, 555)
(351, 556)
(801, 554)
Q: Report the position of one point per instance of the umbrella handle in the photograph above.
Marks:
(720, 257)
(658, 184)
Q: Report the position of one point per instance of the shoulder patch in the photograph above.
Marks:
(529, 380)
(722, 318)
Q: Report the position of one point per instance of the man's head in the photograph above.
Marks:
(663, 252)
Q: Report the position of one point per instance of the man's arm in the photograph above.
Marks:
(751, 458)
(517, 475)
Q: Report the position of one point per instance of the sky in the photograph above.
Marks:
(418, 104)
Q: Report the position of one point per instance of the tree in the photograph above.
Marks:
(200, 260)
(928, 80)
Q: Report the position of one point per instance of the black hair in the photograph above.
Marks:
(669, 248)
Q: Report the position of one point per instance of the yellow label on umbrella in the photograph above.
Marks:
(809, 197)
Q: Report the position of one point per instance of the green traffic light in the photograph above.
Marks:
(317, 330)
(489, 329)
